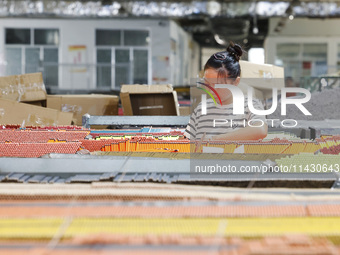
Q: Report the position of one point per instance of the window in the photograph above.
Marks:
(104, 68)
(136, 38)
(288, 50)
(122, 60)
(108, 37)
(46, 36)
(18, 36)
(51, 66)
(302, 59)
(32, 59)
(30, 50)
(122, 57)
(315, 54)
(140, 66)
(14, 60)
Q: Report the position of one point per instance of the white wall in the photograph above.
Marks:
(206, 54)
(184, 57)
(302, 30)
(306, 27)
(194, 64)
(82, 32)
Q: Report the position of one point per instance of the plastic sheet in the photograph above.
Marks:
(23, 88)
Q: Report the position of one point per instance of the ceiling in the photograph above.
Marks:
(218, 31)
(211, 23)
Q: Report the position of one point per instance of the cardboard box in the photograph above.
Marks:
(149, 100)
(23, 88)
(184, 110)
(81, 104)
(12, 112)
(257, 93)
(41, 103)
(263, 77)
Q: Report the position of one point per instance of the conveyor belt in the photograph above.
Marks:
(65, 168)
(176, 155)
(123, 249)
(168, 209)
(230, 180)
(104, 191)
(146, 203)
(206, 220)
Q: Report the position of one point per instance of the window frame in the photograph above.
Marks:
(40, 28)
(5, 28)
(301, 57)
(41, 47)
(131, 56)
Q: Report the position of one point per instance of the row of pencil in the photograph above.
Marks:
(309, 163)
(142, 146)
(152, 144)
(335, 150)
(19, 127)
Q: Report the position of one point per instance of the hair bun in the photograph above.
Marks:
(235, 50)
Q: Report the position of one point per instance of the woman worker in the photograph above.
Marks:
(224, 68)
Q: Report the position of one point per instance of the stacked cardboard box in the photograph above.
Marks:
(12, 112)
(149, 100)
(22, 98)
(23, 88)
(262, 78)
(82, 104)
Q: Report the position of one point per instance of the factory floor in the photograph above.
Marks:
(153, 218)
(79, 191)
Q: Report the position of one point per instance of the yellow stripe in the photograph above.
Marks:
(144, 226)
(243, 227)
(29, 228)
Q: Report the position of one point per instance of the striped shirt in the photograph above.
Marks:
(220, 119)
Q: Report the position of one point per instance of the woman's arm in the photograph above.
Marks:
(247, 133)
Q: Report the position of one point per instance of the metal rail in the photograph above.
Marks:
(63, 168)
(177, 121)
